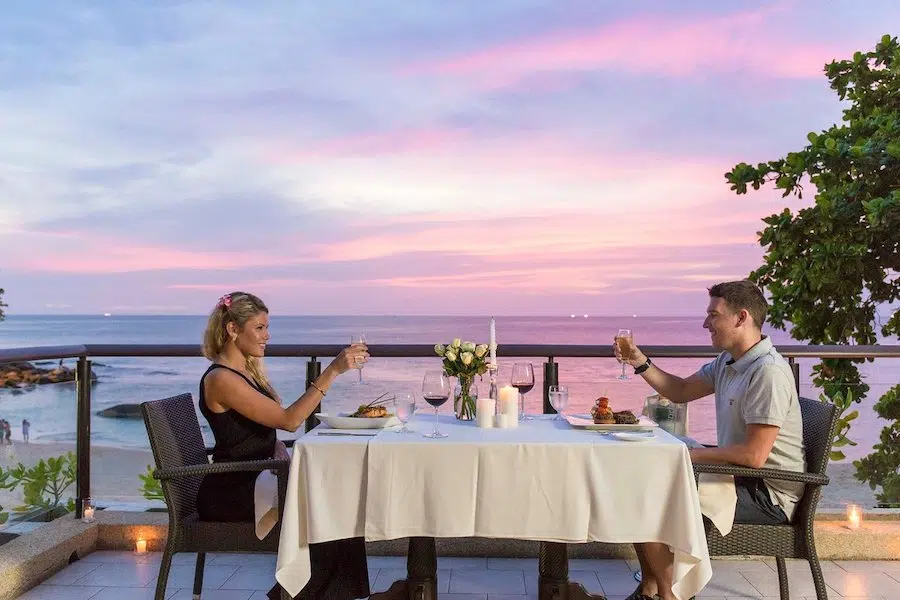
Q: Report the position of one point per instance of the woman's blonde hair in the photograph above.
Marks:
(237, 308)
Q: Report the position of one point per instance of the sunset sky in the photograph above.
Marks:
(401, 157)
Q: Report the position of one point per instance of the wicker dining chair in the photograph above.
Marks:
(795, 539)
(181, 462)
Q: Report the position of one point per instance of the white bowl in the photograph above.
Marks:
(345, 421)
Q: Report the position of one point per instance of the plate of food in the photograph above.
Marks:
(373, 415)
(603, 418)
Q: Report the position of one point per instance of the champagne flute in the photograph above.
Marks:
(436, 391)
(522, 379)
(404, 406)
(359, 360)
(625, 342)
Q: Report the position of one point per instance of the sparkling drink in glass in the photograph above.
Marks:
(360, 362)
(625, 342)
(559, 400)
(404, 407)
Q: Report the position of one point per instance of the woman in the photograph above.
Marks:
(243, 412)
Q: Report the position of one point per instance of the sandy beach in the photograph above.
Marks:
(114, 475)
(114, 471)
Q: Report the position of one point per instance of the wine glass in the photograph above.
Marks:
(404, 407)
(559, 400)
(359, 360)
(522, 379)
(436, 391)
(626, 346)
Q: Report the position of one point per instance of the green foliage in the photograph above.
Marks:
(882, 467)
(2, 305)
(829, 267)
(3, 516)
(843, 402)
(151, 488)
(43, 484)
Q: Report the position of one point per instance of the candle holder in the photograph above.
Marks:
(494, 394)
(140, 546)
(87, 511)
(854, 517)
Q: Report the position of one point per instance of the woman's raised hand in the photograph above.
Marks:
(352, 357)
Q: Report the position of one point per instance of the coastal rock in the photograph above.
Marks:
(122, 411)
(18, 374)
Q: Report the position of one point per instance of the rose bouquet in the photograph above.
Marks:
(464, 360)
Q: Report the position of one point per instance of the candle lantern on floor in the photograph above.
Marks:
(87, 511)
(854, 517)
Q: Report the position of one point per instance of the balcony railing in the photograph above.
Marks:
(312, 352)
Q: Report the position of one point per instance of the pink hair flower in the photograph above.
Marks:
(224, 301)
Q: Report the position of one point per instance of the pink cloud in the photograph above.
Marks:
(92, 253)
(668, 46)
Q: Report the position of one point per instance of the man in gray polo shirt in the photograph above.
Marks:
(757, 416)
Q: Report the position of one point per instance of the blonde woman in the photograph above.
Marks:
(243, 411)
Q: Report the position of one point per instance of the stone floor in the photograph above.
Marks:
(126, 576)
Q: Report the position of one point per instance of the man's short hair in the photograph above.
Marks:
(743, 294)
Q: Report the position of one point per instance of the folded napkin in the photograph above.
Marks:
(718, 500)
(265, 503)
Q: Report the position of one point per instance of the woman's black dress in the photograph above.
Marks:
(339, 570)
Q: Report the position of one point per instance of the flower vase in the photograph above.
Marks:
(464, 396)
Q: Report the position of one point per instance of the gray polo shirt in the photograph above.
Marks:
(759, 389)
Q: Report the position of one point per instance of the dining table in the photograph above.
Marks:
(544, 480)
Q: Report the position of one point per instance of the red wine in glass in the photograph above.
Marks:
(522, 379)
(436, 401)
(436, 391)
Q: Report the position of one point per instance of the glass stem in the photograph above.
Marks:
(436, 421)
(360, 373)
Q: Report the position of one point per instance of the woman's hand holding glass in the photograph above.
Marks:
(351, 358)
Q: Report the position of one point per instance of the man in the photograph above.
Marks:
(758, 419)
(26, 429)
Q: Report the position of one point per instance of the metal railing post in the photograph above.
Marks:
(313, 370)
(551, 377)
(795, 368)
(82, 434)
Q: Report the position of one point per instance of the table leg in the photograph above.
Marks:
(553, 575)
(421, 574)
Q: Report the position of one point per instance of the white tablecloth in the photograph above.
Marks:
(540, 481)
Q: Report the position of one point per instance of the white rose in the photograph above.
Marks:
(450, 355)
(468, 347)
(456, 343)
(481, 350)
(467, 358)
(439, 349)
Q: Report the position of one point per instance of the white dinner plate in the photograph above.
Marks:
(587, 422)
(345, 421)
(633, 436)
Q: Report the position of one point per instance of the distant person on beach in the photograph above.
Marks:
(243, 411)
(3, 426)
(26, 428)
(7, 431)
(758, 418)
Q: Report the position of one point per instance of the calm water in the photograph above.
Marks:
(51, 408)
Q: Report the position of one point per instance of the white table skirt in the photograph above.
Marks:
(540, 481)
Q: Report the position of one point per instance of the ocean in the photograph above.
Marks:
(51, 408)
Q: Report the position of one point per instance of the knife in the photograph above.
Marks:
(347, 434)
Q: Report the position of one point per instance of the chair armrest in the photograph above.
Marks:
(809, 478)
(258, 466)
